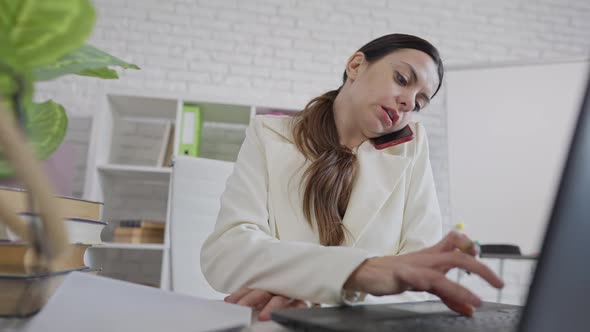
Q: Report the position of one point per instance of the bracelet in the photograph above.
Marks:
(349, 297)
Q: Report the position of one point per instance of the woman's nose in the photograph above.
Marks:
(406, 103)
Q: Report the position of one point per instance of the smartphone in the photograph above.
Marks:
(401, 136)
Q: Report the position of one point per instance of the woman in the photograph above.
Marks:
(317, 211)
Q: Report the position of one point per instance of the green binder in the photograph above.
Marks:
(190, 132)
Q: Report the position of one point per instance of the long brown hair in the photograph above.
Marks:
(329, 179)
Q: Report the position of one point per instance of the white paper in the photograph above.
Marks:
(92, 303)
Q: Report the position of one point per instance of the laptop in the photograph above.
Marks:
(559, 295)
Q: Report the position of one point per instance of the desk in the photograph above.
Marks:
(502, 258)
(17, 325)
(266, 327)
(12, 324)
(85, 302)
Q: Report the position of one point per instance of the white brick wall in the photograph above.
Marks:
(298, 48)
(284, 52)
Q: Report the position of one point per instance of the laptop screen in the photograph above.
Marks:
(559, 296)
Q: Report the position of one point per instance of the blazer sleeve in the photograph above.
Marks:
(243, 252)
(422, 221)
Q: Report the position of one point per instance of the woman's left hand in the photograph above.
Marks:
(263, 301)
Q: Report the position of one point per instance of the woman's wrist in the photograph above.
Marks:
(353, 283)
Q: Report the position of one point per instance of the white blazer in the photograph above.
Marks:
(262, 239)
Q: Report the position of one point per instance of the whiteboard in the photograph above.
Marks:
(509, 130)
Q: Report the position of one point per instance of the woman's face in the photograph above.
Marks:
(386, 92)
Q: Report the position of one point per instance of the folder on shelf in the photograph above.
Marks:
(190, 131)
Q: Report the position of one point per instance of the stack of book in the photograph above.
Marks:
(139, 231)
(24, 287)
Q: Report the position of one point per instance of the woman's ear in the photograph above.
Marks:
(355, 65)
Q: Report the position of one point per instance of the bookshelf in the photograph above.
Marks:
(130, 246)
(126, 171)
(140, 172)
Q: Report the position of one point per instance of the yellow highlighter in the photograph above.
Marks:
(459, 228)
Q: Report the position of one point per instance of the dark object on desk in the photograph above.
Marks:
(502, 249)
(558, 297)
(502, 252)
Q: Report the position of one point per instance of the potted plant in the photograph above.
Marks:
(40, 40)
(43, 40)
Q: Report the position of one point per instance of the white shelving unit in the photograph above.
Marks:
(132, 246)
(127, 140)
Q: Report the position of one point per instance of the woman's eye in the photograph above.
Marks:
(417, 108)
(400, 79)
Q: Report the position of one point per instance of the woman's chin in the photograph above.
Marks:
(397, 127)
(378, 129)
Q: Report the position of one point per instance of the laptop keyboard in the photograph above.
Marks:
(481, 321)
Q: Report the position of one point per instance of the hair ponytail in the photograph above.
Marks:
(329, 178)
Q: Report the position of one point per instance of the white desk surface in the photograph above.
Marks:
(266, 327)
(17, 325)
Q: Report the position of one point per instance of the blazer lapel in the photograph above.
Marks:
(378, 174)
(285, 168)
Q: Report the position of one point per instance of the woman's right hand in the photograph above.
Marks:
(425, 270)
(262, 301)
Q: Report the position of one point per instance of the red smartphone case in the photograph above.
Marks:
(402, 136)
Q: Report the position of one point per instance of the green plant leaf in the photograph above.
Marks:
(7, 86)
(46, 129)
(46, 126)
(10, 81)
(105, 73)
(87, 61)
(37, 32)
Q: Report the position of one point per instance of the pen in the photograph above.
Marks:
(475, 244)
